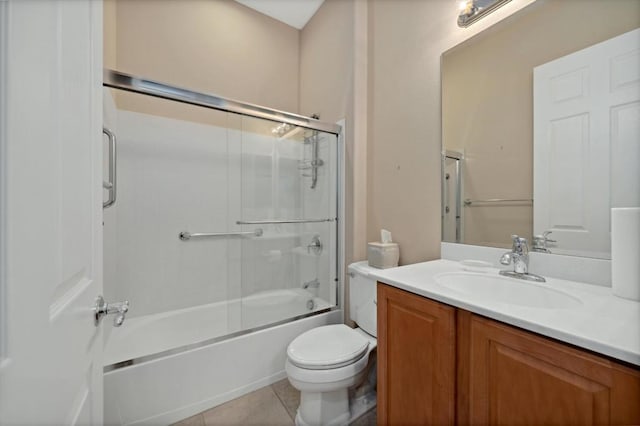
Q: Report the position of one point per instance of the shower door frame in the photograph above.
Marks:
(130, 83)
(122, 81)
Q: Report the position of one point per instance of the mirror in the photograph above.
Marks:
(531, 142)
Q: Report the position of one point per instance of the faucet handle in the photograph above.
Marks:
(520, 245)
(102, 309)
(316, 246)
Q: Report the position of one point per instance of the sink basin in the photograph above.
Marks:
(506, 290)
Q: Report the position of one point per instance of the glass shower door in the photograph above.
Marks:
(288, 194)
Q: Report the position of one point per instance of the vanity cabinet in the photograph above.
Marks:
(518, 377)
(455, 367)
(416, 378)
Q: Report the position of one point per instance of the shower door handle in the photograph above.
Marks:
(111, 184)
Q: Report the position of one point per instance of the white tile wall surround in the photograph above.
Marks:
(573, 268)
(176, 175)
(172, 177)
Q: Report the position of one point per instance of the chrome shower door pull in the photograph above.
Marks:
(111, 184)
(102, 309)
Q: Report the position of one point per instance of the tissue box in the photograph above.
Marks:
(383, 255)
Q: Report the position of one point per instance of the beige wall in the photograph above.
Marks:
(326, 51)
(496, 132)
(403, 186)
(332, 64)
(109, 38)
(333, 84)
(219, 47)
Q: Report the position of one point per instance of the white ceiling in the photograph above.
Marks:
(292, 12)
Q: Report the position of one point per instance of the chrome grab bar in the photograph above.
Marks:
(186, 236)
(111, 184)
(275, 222)
(469, 202)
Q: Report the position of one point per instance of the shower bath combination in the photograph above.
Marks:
(219, 243)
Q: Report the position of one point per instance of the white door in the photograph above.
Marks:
(587, 143)
(51, 211)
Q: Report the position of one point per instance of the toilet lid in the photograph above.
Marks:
(329, 346)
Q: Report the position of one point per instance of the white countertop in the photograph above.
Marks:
(603, 323)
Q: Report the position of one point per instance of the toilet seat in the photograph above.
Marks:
(327, 347)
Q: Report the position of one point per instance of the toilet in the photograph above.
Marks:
(333, 366)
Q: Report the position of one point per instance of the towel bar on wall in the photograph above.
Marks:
(469, 202)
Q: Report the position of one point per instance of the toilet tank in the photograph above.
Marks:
(362, 297)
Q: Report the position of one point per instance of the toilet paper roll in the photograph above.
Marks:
(625, 252)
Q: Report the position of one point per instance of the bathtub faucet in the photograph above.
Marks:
(102, 309)
(314, 283)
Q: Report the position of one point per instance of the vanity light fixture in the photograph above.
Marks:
(472, 10)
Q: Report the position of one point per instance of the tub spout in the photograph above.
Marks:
(314, 283)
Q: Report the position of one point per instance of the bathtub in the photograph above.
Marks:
(164, 367)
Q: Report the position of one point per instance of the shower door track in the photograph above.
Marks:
(130, 83)
(203, 343)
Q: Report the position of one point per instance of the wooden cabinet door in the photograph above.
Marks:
(416, 359)
(519, 378)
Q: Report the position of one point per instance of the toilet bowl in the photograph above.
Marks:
(326, 363)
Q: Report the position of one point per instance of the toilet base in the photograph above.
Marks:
(323, 408)
(362, 405)
(332, 408)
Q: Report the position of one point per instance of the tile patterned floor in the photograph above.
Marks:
(272, 405)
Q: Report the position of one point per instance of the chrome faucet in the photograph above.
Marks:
(519, 256)
(314, 283)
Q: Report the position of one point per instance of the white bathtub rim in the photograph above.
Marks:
(212, 341)
(122, 380)
(117, 359)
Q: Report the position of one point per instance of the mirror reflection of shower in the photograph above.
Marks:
(451, 196)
